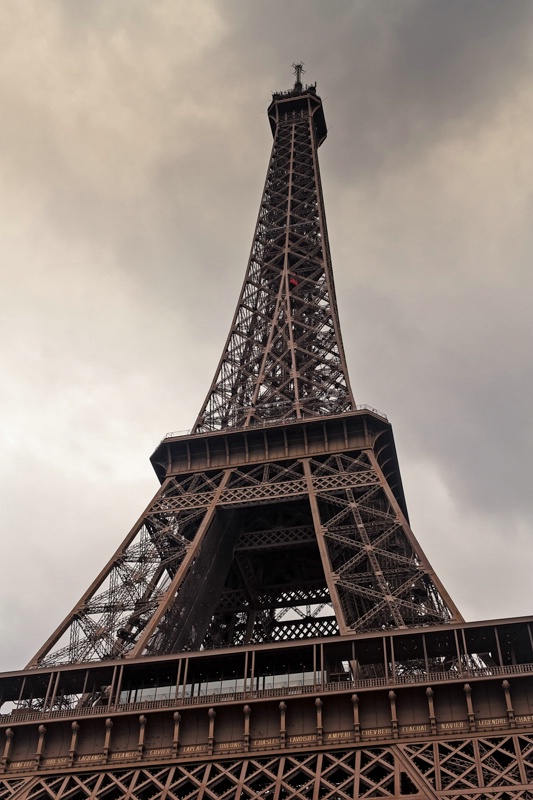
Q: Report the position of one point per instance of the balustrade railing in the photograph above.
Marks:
(30, 715)
(265, 423)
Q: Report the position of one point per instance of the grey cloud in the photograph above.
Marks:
(397, 76)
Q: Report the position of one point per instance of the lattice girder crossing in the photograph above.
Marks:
(443, 712)
(473, 768)
(194, 571)
(284, 357)
(229, 556)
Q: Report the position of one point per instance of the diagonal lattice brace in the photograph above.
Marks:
(284, 358)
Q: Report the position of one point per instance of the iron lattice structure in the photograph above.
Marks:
(268, 548)
(453, 772)
(279, 550)
(271, 627)
(284, 357)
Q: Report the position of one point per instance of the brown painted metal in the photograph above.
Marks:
(306, 545)
(284, 357)
(271, 627)
(278, 449)
(444, 711)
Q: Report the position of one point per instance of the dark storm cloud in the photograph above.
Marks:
(397, 76)
(133, 147)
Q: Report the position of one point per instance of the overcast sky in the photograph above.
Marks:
(133, 148)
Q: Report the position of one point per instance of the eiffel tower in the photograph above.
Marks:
(270, 627)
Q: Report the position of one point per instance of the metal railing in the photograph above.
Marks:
(265, 423)
(29, 715)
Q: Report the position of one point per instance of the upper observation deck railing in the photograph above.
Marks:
(267, 423)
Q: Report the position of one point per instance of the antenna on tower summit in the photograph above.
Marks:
(298, 71)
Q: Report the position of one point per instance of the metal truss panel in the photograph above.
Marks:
(268, 547)
(284, 358)
(462, 769)
(277, 550)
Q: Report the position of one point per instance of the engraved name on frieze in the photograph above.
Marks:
(160, 751)
(414, 728)
(302, 738)
(377, 732)
(450, 726)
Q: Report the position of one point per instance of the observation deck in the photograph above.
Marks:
(300, 101)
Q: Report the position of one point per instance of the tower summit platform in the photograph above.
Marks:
(300, 100)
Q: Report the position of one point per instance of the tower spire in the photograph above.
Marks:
(284, 357)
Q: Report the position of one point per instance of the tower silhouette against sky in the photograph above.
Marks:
(271, 627)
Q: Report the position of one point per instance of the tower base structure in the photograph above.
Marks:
(441, 712)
